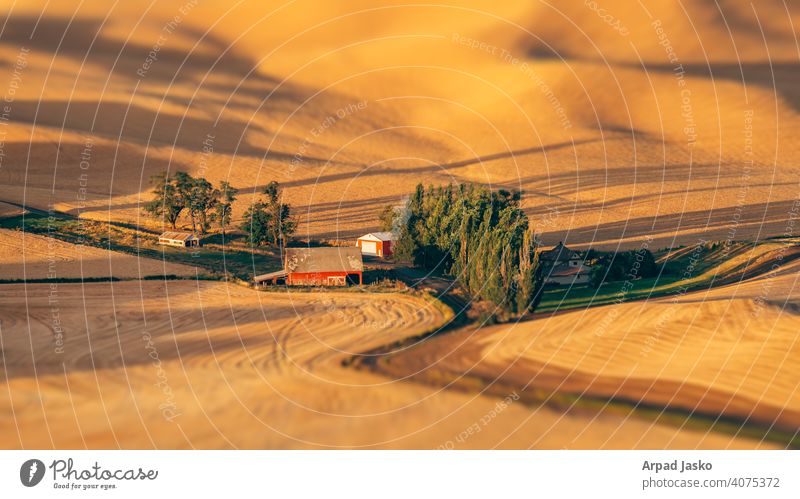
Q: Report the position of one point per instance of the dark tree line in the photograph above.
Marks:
(624, 265)
(479, 236)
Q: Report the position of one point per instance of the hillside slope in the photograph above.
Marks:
(678, 121)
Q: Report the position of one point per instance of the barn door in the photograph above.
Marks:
(369, 247)
(336, 280)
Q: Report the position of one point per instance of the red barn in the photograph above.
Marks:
(318, 267)
(376, 244)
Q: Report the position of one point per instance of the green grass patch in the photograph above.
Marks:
(582, 296)
(686, 269)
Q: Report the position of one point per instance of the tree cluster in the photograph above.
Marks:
(269, 221)
(625, 265)
(479, 236)
(182, 194)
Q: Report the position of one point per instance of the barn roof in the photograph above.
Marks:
(378, 236)
(559, 253)
(178, 236)
(339, 259)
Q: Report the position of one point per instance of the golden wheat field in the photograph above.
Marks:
(607, 139)
(187, 365)
(729, 352)
(30, 256)
(665, 123)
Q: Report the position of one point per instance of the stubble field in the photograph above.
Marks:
(667, 122)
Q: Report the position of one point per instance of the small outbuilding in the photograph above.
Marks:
(376, 244)
(564, 266)
(272, 278)
(338, 266)
(179, 239)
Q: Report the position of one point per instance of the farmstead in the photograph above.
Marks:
(317, 267)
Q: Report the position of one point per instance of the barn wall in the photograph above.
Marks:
(315, 278)
(172, 242)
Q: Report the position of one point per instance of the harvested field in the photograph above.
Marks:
(10, 210)
(727, 354)
(676, 124)
(208, 365)
(31, 256)
(607, 141)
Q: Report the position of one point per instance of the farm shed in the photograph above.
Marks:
(180, 239)
(564, 266)
(317, 267)
(376, 243)
(272, 278)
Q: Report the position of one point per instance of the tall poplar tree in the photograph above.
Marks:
(479, 236)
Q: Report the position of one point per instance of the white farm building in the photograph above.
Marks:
(376, 244)
(179, 239)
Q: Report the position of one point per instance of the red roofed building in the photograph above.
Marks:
(338, 266)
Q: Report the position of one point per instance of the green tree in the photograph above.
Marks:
(648, 266)
(386, 218)
(224, 207)
(184, 185)
(269, 221)
(282, 226)
(203, 199)
(408, 245)
(620, 266)
(479, 236)
(598, 274)
(167, 203)
(257, 224)
(531, 275)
